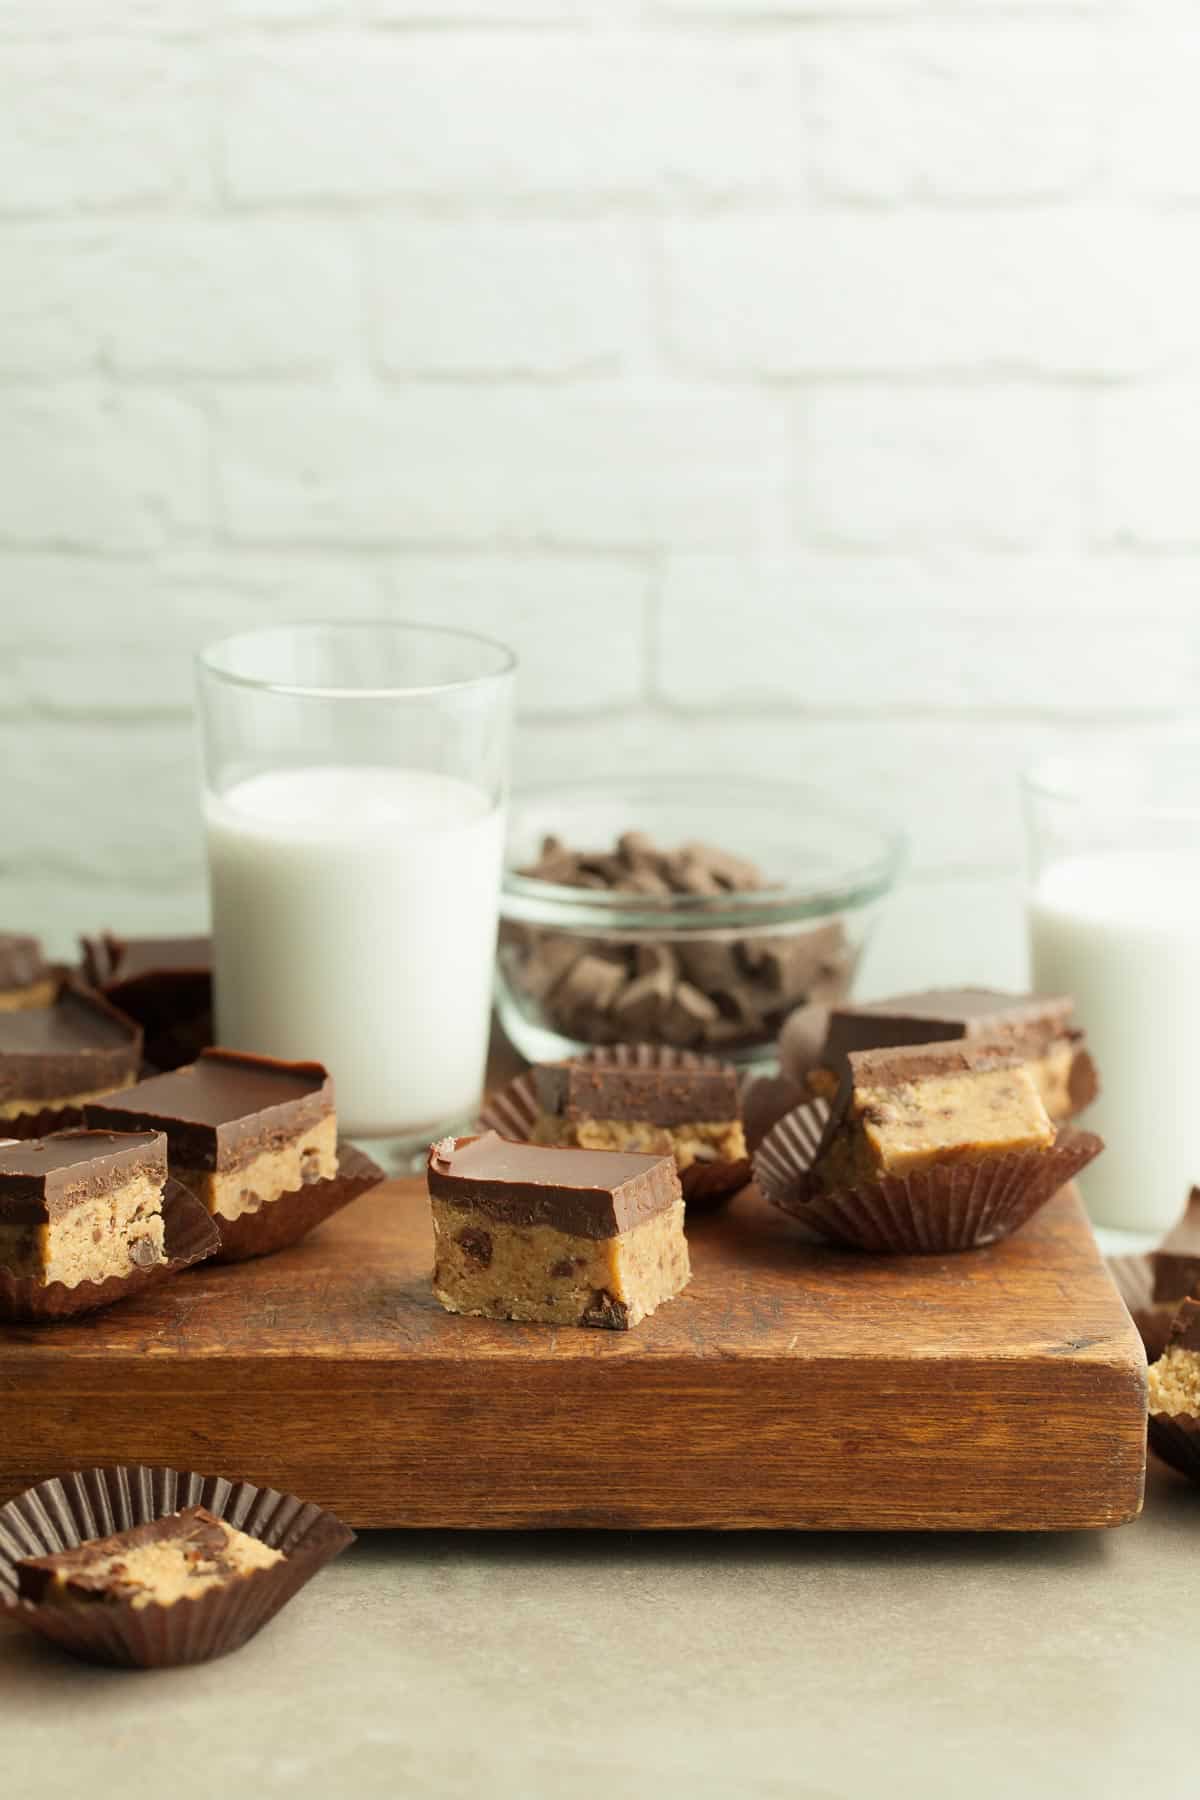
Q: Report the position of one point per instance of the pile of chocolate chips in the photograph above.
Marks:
(695, 991)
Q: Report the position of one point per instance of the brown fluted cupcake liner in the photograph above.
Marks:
(951, 1206)
(189, 1236)
(283, 1222)
(513, 1111)
(94, 1503)
(1175, 1439)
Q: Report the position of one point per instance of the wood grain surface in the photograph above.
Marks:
(789, 1386)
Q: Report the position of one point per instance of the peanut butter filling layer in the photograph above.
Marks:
(14, 1109)
(311, 1156)
(114, 1234)
(959, 1117)
(1052, 1074)
(38, 993)
(706, 1141)
(1174, 1381)
(537, 1273)
(163, 1573)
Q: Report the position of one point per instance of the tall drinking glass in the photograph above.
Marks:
(1114, 917)
(355, 790)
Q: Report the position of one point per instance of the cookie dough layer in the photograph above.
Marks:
(1052, 1076)
(157, 1564)
(113, 1234)
(910, 1109)
(538, 1273)
(14, 1109)
(1174, 1382)
(706, 1141)
(38, 993)
(311, 1156)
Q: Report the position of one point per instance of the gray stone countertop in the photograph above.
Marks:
(694, 1667)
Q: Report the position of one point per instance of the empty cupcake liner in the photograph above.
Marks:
(285, 1221)
(71, 1509)
(513, 1111)
(952, 1206)
(1175, 1439)
(189, 1236)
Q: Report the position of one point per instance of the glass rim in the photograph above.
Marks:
(858, 883)
(1067, 778)
(208, 663)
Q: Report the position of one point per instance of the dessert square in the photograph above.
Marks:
(241, 1130)
(900, 1111)
(558, 1236)
(1036, 1028)
(692, 1113)
(1174, 1380)
(64, 1054)
(163, 984)
(82, 1205)
(26, 979)
(167, 1560)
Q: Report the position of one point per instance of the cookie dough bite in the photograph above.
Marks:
(163, 984)
(57, 1057)
(558, 1236)
(1173, 1382)
(26, 979)
(161, 1563)
(690, 1112)
(82, 1205)
(242, 1130)
(901, 1111)
(1037, 1029)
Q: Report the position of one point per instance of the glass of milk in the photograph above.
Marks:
(355, 788)
(1114, 918)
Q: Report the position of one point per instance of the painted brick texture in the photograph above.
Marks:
(800, 385)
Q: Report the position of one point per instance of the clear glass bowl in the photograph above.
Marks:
(715, 972)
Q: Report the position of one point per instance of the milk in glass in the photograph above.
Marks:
(1120, 930)
(354, 921)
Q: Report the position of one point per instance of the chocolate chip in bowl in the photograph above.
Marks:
(691, 912)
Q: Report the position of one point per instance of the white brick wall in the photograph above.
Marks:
(802, 385)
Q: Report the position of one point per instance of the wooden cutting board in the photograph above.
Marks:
(789, 1386)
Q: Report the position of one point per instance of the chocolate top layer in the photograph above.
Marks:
(896, 1067)
(1028, 1023)
(1176, 1273)
(111, 959)
(195, 1528)
(1185, 1327)
(42, 1178)
(587, 1193)
(21, 960)
(222, 1109)
(80, 1045)
(581, 1089)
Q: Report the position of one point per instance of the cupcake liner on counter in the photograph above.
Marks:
(1175, 1439)
(513, 1111)
(189, 1236)
(951, 1206)
(283, 1222)
(62, 1513)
